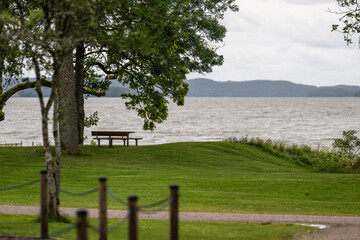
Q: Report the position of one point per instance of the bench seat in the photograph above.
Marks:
(113, 135)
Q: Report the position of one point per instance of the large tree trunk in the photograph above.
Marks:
(79, 85)
(67, 105)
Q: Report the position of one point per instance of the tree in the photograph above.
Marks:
(350, 19)
(152, 45)
(47, 33)
(149, 45)
(10, 56)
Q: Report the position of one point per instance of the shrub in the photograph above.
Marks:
(349, 144)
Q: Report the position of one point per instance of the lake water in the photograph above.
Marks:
(314, 121)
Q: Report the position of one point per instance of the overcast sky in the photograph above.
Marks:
(286, 40)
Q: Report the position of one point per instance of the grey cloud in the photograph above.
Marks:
(309, 2)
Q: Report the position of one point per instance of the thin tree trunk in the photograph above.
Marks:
(67, 105)
(79, 85)
(53, 209)
(1, 75)
(53, 201)
(56, 134)
(3, 4)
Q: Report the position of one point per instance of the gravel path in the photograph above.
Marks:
(336, 227)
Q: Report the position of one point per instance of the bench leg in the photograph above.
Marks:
(124, 142)
(127, 142)
(110, 142)
(99, 142)
(136, 142)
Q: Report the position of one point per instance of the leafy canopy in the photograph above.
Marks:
(148, 45)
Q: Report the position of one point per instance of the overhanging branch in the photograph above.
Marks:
(26, 85)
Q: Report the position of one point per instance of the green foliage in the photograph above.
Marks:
(349, 144)
(331, 161)
(153, 45)
(91, 120)
(149, 46)
(350, 19)
(321, 159)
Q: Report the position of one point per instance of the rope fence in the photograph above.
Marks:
(116, 197)
(152, 205)
(72, 193)
(113, 228)
(20, 185)
(63, 230)
(159, 209)
(82, 222)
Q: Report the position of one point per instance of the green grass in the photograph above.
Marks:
(216, 177)
(159, 230)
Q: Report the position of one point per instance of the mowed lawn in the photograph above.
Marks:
(213, 176)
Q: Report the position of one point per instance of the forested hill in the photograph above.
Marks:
(202, 87)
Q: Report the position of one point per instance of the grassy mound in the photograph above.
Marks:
(213, 176)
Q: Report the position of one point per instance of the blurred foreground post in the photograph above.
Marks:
(43, 205)
(133, 228)
(82, 225)
(102, 209)
(174, 212)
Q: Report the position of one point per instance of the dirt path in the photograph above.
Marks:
(337, 227)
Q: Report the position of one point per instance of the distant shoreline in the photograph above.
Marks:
(202, 87)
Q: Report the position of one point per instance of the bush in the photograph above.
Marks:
(349, 144)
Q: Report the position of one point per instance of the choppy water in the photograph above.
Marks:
(315, 121)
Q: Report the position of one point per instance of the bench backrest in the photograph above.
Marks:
(109, 133)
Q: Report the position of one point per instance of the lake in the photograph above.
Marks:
(314, 121)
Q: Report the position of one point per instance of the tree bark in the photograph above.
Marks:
(67, 105)
(2, 50)
(79, 86)
(57, 165)
(1, 75)
(53, 206)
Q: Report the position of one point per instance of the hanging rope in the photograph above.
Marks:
(113, 228)
(20, 185)
(154, 204)
(165, 205)
(63, 230)
(116, 197)
(72, 193)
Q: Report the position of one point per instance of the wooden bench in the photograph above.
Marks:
(114, 135)
(11, 144)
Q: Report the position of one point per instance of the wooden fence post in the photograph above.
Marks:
(174, 212)
(102, 209)
(43, 205)
(133, 228)
(82, 225)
